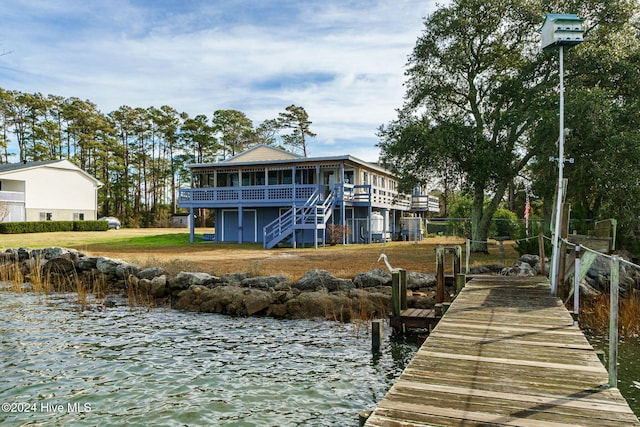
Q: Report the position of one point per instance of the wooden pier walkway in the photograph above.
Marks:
(505, 353)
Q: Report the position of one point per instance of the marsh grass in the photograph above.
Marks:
(595, 315)
(12, 274)
(138, 297)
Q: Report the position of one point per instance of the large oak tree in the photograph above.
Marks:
(480, 94)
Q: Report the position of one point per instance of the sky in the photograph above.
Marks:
(343, 61)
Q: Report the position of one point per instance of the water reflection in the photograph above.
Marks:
(165, 367)
(628, 366)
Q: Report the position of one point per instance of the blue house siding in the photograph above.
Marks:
(265, 190)
(253, 222)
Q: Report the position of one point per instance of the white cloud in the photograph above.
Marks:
(343, 61)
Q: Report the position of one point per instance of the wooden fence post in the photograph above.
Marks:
(468, 255)
(403, 290)
(576, 287)
(541, 254)
(439, 274)
(376, 335)
(396, 302)
(461, 281)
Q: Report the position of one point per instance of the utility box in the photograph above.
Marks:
(561, 30)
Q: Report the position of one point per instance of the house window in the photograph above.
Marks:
(78, 216)
(228, 179)
(46, 216)
(253, 178)
(348, 177)
(305, 176)
(287, 177)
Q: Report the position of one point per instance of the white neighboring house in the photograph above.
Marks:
(55, 190)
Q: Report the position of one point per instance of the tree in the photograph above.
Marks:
(266, 132)
(197, 137)
(235, 130)
(482, 98)
(296, 119)
(474, 82)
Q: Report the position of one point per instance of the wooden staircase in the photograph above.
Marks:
(313, 215)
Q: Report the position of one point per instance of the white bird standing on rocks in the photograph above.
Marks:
(386, 261)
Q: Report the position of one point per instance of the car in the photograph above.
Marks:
(114, 223)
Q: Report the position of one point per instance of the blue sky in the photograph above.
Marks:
(342, 60)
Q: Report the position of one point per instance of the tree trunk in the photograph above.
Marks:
(481, 215)
(479, 226)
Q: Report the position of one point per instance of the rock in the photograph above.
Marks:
(145, 285)
(55, 252)
(587, 291)
(265, 282)
(158, 286)
(150, 273)
(417, 280)
(256, 302)
(184, 280)
(316, 280)
(124, 270)
(58, 266)
(532, 260)
(234, 278)
(487, 269)
(86, 263)
(108, 266)
(520, 268)
(8, 258)
(373, 278)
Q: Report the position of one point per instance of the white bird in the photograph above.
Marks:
(386, 261)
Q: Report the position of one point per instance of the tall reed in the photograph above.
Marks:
(595, 314)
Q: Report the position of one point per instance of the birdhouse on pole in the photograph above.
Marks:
(561, 30)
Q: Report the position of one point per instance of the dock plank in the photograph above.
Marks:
(505, 353)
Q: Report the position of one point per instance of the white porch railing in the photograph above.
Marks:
(11, 196)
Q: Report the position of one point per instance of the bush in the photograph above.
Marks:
(90, 225)
(335, 233)
(530, 246)
(51, 226)
(505, 224)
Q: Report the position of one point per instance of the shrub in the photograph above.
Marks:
(505, 223)
(335, 233)
(51, 226)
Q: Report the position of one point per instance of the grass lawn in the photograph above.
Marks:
(170, 248)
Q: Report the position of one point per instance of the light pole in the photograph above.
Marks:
(560, 30)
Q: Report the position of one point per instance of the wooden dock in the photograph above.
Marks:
(505, 353)
(414, 318)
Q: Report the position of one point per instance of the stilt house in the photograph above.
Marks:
(275, 197)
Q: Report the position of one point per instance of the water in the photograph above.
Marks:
(121, 366)
(628, 366)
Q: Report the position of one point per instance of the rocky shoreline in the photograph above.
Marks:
(317, 294)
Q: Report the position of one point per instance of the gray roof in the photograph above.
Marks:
(10, 167)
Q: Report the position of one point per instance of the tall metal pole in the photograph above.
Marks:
(558, 220)
(613, 322)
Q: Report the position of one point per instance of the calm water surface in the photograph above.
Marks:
(628, 366)
(121, 366)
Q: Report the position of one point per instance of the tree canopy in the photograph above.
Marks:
(138, 153)
(482, 99)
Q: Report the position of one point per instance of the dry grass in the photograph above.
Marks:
(343, 261)
(595, 314)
